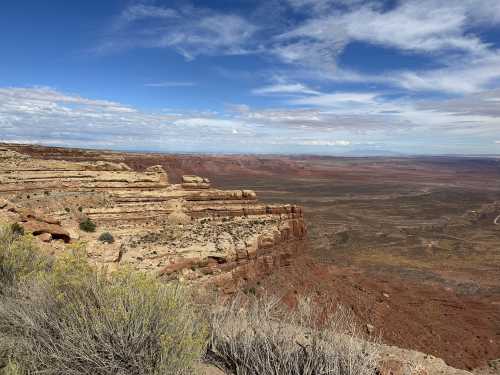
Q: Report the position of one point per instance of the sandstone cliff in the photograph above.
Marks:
(188, 231)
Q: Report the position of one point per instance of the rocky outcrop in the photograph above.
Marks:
(37, 223)
(195, 182)
(188, 231)
(49, 231)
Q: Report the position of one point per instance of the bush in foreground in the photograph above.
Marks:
(72, 319)
(261, 337)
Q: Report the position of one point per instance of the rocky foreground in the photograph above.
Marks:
(187, 231)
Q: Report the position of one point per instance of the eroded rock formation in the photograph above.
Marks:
(188, 231)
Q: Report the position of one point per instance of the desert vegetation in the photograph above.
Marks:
(260, 336)
(106, 237)
(62, 316)
(87, 225)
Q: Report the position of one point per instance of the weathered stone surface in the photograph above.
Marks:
(178, 217)
(160, 171)
(39, 227)
(108, 166)
(195, 182)
(3, 203)
(194, 179)
(45, 237)
(189, 231)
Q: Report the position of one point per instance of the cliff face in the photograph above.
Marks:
(188, 231)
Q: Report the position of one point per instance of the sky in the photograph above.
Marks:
(247, 76)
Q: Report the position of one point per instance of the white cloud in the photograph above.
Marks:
(336, 99)
(439, 29)
(137, 12)
(284, 89)
(423, 25)
(481, 104)
(315, 53)
(473, 75)
(188, 30)
(48, 116)
(326, 143)
(321, 6)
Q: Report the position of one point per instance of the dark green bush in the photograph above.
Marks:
(87, 225)
(106, 237)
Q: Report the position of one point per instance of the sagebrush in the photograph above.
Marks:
(259, 336)
(71, 319)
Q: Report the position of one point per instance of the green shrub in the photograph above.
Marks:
(106, 237)
(87, 225)
(72, 319)
(19, 258)
(67, 209)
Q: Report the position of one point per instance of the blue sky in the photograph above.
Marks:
(274, 76)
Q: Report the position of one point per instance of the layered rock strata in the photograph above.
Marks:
(188, 231)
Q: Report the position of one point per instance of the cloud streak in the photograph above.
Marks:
(190, 31)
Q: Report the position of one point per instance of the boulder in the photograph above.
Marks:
(158, 169)
(3, 203)
(194, 179)
(27, 214)
(108, 166)
(195, 182)
(249, 194)
(38, 228)
(155, 169)
(45, 237)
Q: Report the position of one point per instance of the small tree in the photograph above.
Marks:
(87, 225)
(106, 237)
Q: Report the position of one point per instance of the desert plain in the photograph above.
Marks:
(410, 244)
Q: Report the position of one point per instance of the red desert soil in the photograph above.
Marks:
(463, 330)
(409, 244)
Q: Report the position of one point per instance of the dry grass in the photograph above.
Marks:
(71, 319)
(261, 337)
